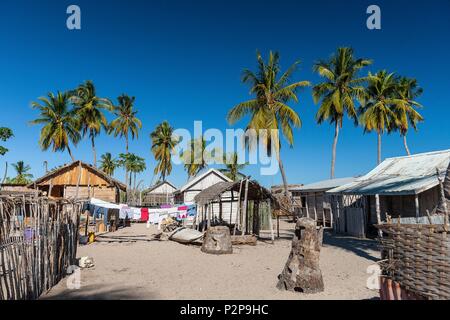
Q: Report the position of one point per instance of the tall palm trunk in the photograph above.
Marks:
(93, 150)
(333, 153)
(283, 174)
(405, 143)
(379, 146)
(70, 153)
(126, 170)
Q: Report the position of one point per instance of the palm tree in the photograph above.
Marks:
(404, 108)
(60, 124)
(22, 175)
(132, 164)
(108, 164)
(338, 92)
(126, 122)
(5, 134)
(232, 166)
(195, 158)
(376, 113)
(89, 109)
(269, 109)
(163, 145)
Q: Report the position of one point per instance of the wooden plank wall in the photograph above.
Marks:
(102, 193)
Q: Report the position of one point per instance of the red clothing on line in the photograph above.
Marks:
(144, 214)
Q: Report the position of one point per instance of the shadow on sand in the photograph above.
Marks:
(361, 247)
(98, 292)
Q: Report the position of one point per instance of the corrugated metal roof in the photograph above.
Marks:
(324, 185)
(400, 176)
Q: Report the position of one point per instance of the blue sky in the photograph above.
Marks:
(183, 61)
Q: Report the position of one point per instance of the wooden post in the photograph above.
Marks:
(78, 181)
(50, 188)
(231, 207)
(272, 235)
(89, 184)
(331, 215)
(416, 202)
(244, 225)
(306, 205)
(210, 206)
(238, 213)
(377, 208)
(278, 226)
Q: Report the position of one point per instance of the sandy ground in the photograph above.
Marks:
(141, 268)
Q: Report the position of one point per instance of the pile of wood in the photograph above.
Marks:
(38, 243)
(302, 272)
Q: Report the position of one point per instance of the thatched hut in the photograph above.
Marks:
(250, 199)
(79, 180)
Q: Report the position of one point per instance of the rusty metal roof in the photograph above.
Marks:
(400, 176)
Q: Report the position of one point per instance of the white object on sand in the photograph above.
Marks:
(184, 235)
(86, 262)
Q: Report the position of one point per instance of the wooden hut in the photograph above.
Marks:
(159, 194)
(406, 187)
(79, 180)
(313, 202)
(196, 185)
(249, 198)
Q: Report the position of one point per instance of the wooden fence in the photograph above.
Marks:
(38, 243)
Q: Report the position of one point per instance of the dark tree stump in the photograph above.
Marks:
(302, 272)
(217, 241)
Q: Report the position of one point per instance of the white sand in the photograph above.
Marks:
(140, 268)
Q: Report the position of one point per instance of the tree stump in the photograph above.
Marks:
(302, 272)
(217, 241)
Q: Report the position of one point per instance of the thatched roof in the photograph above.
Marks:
(63, 169)
(214, 193)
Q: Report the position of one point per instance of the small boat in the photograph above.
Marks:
(184, 235)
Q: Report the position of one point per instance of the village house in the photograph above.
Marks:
(406, 187)
(312, 201)
(79, 180)
(159, 194)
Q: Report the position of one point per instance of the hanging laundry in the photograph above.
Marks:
(144, 214)
(136, 214)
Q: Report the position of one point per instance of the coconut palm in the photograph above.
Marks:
(341, 87)
(126, 122)
(60, 126)
(108, 164)
(195, 158)
(232, 166)
(89, 109)
(405, 106)
(376, 113)
(5, 134)
(22, 175)
(163, 145)
(133, 164)
(269, 110)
